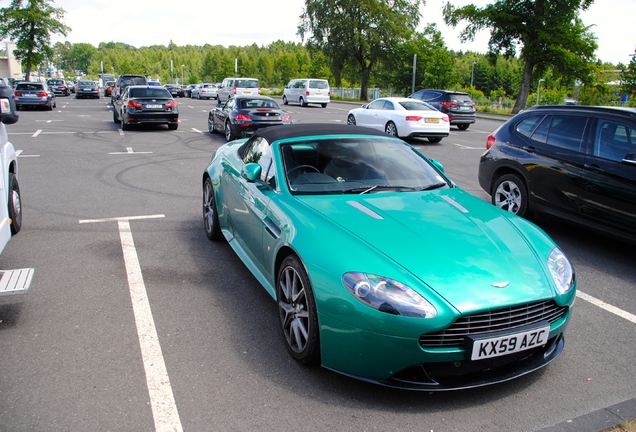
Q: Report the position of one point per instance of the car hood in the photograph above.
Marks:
(462, 247)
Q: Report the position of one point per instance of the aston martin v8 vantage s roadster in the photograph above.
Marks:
(381, 267)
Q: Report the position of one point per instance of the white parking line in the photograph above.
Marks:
(36, 133)
(606, 306)
(164, 407)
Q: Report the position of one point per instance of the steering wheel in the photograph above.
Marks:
(311, 167)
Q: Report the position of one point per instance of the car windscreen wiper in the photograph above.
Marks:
(396, 188)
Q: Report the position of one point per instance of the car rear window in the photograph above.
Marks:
(29, 86)
(86, 83)
(258, 103)
(55, 82)
(150, 93)
(243, 83)
(318, 84)
(416, 106)
(460, 98)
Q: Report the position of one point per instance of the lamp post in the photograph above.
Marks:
(182, 74)
(539, 89)
(472, 73)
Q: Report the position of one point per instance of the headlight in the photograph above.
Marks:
(561, 270)
(387, 295)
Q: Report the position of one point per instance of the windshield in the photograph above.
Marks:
(146, 92)
(357, 165)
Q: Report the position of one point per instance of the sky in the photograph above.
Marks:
(197, 22)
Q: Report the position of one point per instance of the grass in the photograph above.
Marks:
(628, 426)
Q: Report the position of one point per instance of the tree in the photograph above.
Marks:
(549, 33)
(366, 31)
(31, 27)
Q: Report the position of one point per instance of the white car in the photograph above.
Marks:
(205, 91)
(402, 118)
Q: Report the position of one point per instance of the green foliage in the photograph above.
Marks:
(31, 26)
(548, 34)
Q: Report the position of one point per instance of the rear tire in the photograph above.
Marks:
(285, 101)
(14, 204)
(463, 126)
(229, 135)
(391, 129)
(302, 102)
(173, 126)
(434, 139)
(511, 194)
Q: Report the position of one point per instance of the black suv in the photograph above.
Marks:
(574, 162)
(458, 105)
(124, 81)
(58, 86)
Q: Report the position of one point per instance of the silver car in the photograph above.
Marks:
(34, 94)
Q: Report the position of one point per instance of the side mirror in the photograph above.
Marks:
(251, 172)
(364, 106)
(437, 165)
(8, 113)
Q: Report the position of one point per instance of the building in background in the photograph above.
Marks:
(10, 67)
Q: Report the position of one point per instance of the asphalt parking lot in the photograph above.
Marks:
(135, 321)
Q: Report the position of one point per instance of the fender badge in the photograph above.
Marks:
(500, 284)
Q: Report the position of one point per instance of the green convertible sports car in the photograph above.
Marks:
(382, 268)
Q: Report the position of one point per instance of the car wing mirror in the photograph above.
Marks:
(437, 164)
(251, 172)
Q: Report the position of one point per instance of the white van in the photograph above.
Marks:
(307, 90)
(231, 87)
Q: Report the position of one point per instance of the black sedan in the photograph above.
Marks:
(146, 105)
(87, 89)
(174, 89)
(244, 115)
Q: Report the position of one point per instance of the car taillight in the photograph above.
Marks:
(307, 93)
(445, 118)
(413, 118)
(329, 93)
(286, 117)
(172, 104)
(258, 90)
(43, 94)
(490, 141)
(449, 104)
(134, 104)
(17, 94)
(62, 86)
(234, 88)
(243, 117)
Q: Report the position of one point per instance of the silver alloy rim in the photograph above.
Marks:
(351, 120)
(293, 308)
(391, 130)
(508, 197)
(228, 131)
(17, 206)
(208, 209)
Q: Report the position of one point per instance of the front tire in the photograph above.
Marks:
(14, 204)
(510, 193)
(351, 120)
(297, 312)
(210, 215)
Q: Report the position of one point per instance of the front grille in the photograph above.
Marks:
(492, 321)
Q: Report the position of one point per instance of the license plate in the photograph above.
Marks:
(154, 106)
(30, 95)
(248, 93)
(464, 108)
(510, 343)
(432, 120)
(88, 89)
(318, 94)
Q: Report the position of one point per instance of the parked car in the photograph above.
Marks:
(34, 94)
(146, 105)
(187, 91)
(458, 105)
(381, 267)
(108, 88)
(174, 89)
(402, 117)
(71, 86)
(307, 90)
(232, 87)
(87, 89)
(58, 86)
(206, 91)
(124, 81)
(244, 115)
(154, 83)
(574, 162)
(11, 281)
